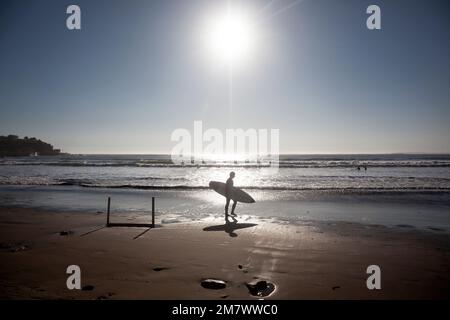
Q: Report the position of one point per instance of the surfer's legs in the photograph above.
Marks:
(233, 207)
(226, 206)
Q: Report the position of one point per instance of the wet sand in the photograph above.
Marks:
(307, 260)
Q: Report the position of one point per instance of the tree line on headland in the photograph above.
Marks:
(13, 146)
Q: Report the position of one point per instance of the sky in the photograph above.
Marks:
(138, 70)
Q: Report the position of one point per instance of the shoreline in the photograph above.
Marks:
(419, 210)
(310, 260)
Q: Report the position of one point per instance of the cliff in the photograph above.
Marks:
(13, 146)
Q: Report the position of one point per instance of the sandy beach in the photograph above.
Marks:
(307, 260)
(323, 125)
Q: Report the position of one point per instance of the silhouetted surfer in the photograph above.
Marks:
(228, 190)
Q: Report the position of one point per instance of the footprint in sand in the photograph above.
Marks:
(242, 268)
(160, 269)
(65, 233)
(88, 288)
(436, 229)
(106, 296)
(17, 248)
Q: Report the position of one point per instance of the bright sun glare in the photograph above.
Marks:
(230, 36)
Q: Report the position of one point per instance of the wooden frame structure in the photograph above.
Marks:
(141, 225)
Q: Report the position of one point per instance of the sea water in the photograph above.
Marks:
(395, 189)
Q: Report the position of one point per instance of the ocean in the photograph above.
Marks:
(391, 189)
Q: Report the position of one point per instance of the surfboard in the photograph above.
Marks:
(236, 193)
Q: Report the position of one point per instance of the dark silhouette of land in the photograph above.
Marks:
(13, 146)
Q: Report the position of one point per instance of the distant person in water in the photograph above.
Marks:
(228, 191)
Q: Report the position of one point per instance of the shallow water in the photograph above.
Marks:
(407, 209)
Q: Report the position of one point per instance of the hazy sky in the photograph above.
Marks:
(137, 70)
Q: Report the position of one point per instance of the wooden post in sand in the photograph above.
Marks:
(107, 212)
(153, 212)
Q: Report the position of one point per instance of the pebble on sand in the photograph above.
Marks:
(214, 284)
(260, 288)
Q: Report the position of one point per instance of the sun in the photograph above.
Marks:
(230, 36)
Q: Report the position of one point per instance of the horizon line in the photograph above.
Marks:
(281, 154)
